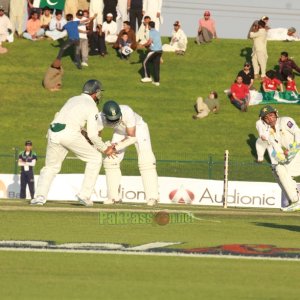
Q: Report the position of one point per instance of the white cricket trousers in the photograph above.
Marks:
(146, 163)
(57, 148)
(285, 174)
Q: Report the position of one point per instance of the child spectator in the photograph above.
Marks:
(240, 96)
(270, 85)
(124, 46)
(291, 92)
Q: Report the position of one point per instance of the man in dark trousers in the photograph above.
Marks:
(27, 160)
(153, 56)
(135, 8)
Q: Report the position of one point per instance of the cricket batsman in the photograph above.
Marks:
(129, 128)
(283, 137)
(64, 134)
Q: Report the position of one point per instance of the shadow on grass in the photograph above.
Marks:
(295, 228)
(246, 53)
(251, 141)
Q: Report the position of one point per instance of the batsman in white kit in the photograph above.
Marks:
(129, 128)
(281, 137)
(64, 134)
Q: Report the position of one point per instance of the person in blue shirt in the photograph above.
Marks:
(73, 37)
(153, 56)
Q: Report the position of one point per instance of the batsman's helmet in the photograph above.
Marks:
(267, 110)
(112, 112)
(93, 86)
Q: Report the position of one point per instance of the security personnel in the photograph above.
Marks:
(27, 160)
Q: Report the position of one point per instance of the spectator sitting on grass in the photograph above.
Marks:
(131, 36)
(178, 41)
(291, 91)
(142, 35)
(46, 18)
(34, 28)
(247, 75)
(286, 66)
(240, 96)
(124, 46)
(270, 84)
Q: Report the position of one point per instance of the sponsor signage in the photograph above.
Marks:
(157, 248)
(172, 190)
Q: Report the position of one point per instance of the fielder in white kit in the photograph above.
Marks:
(129, 128)
(281, 135)
(64, 134)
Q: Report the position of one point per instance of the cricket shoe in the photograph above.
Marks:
(38, 200)
(152, 202)
(293, 207)
(111, 202)
(85, 202)
(146, 79)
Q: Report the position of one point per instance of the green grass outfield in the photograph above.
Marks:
(27, 108)
(42, 275)
(26, 111)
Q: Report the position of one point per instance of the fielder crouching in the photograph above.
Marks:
(284, 139)
(129, 128)
(65, 135)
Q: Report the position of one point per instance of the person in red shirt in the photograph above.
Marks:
(291, 84)
(240, 95)
(270, 85)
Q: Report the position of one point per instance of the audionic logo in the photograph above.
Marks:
(181, 196)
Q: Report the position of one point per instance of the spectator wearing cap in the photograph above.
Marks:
(34, 28)
(259, 49)
(53, 77)
(109, 28)
(283, 34)
(286, 66)
(247, 74)
(142, 35)
(27, 160)
(178, 41)
(110, 6)
(152, 8)
(254, 26)
(83, 39)
(55, 26)
(5, 29)
(135, 9)
(17, 9)
(131, 36)
(206, 29)
(46, 18)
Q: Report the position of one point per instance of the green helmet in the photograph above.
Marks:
(267, 110)
(112, 112)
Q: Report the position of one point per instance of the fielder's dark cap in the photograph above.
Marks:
(28, 143)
